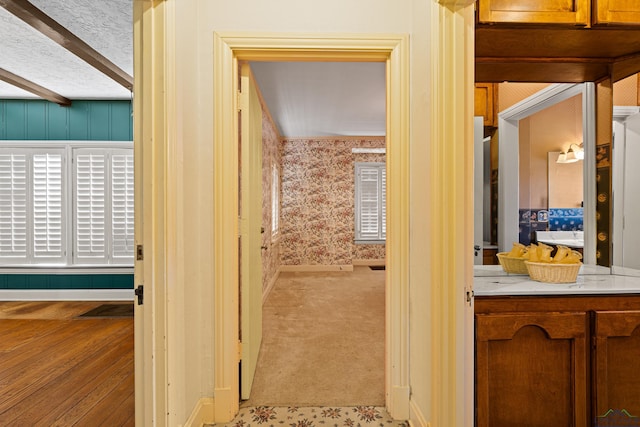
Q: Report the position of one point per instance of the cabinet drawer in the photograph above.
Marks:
(617, 12)
(573, 12)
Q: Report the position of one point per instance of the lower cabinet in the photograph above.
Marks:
(616, 367)
(579, 367)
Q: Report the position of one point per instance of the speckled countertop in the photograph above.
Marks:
(592, 280)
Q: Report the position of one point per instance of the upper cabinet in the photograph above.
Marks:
(574, 12)
(486, 103)
(626, 12)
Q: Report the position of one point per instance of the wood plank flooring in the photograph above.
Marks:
(60, 370)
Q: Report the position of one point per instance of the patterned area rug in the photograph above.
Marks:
(323, 416)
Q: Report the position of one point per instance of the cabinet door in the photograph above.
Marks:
(617, 367)
(617, 11)
(486, 103)
(531, 369)
(574, 12)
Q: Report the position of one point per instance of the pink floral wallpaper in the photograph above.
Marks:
(270, 155)
(317, 213)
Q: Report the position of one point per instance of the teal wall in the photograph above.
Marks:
(24, 120)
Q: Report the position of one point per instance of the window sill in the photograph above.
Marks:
(370, 242)
(66, 270)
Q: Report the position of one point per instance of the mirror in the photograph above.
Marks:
(525, 140)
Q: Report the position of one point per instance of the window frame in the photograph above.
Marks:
(381, 214)
(68, 203)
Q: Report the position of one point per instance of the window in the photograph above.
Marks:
(66, 205)
(370, 202)
(275, 200)
(31, 206)
(103, 210)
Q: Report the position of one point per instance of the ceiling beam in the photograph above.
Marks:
(65, 38)
(34, 88)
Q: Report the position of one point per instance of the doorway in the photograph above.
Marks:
(323, 128)
(229, 49)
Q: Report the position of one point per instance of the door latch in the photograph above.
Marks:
(476, 249)
(139, 292)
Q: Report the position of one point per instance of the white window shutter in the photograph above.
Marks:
(122, 205)
(13, 206)
(90, 206)
(370, 194)
(383, 201)
(275, 199)
(47, 199)
(369, 203)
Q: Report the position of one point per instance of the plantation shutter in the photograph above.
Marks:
(90, 206)
(370, 201)
(47, 206)
(122, 205)
(383, 201)
(13, 206)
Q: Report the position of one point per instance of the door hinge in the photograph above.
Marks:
(239, 350)
(139, 253)
(469, 295)
(139, 292)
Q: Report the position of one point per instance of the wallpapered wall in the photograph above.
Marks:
(270, 155)
(317, 216)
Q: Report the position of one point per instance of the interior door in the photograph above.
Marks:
(478, 189)
(631, 197)
(250, 229)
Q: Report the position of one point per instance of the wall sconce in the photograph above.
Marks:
(572, 155)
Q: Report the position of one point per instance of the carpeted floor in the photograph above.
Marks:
(323, 341)
(360, 416)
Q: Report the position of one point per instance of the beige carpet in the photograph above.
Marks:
(323, 341)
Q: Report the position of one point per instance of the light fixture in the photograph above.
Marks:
(572, 155)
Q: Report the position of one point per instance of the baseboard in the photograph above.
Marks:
(270, 286)
(202, 414)
(66, 295)
(417, 418)
(400, 402)
(369, 262)
(312, 268)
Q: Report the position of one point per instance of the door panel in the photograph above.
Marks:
(250, 224)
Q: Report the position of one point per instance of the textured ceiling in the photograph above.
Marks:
(106, 25)
(305, 99)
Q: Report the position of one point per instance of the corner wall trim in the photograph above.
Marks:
(66, 294)
(316, 268)
(202, 413)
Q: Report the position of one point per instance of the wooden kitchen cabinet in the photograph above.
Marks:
(486, 103)
(557, 360)
(616, 362)
(572, 12)
(531, 369)
(616, 12)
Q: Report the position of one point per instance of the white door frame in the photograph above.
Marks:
(229, 48)
(508, 152)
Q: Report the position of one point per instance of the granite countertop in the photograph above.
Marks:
(493, 281)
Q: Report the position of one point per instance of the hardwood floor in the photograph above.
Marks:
(60, 370)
